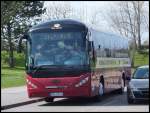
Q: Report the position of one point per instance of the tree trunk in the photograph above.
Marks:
(11, 56)
(139, 40)
(135, 44)
(139, 27)
(132, 58)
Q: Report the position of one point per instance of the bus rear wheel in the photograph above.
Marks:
(121, 90)
(100, 93)
(48, 99)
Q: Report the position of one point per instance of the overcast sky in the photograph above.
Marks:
(89, 7)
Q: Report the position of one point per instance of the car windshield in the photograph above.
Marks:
(141, 73)
(58, 48)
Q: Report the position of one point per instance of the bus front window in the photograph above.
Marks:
(58, 48)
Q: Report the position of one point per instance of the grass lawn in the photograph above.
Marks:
(12, 77)
(16, 76)
(141, 59)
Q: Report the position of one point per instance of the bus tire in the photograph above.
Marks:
(101, 83)
(48, 99)
(101, 90)
(121, 90)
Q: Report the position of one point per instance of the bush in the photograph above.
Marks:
(4, 58)
(141, 58)
(19, 58)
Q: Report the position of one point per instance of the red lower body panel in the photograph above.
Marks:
(74, 92)
(43, 87)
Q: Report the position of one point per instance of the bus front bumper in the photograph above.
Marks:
(60, 93)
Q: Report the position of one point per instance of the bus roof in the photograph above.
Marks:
(63, 22)
(108, 34)
(105, 39)
(108, 40)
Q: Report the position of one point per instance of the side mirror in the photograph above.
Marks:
(31, 65)
(19, 50)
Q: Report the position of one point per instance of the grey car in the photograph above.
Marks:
(138, 87)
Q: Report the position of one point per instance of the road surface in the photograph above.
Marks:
(14, 95)
(110, 103)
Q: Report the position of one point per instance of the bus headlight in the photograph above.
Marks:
(83, 81)
(31, 84)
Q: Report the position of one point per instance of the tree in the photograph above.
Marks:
(9, 10)
(138, 13)
(94, 18)
(16, 17)
(57, 10)
(127, 19)
(146, 15)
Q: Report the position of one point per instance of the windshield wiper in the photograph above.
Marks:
(75, 67)
(42, 66)
(68, 66)
(49, 67)
(61, 67)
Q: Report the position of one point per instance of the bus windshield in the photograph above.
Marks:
(58, 48)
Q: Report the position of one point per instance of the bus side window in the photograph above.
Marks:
(101, 51)
(108, 53)
(112, 53)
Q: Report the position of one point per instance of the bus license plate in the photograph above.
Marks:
(56, 94)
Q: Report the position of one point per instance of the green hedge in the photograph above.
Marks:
(19, 59)
(141, 58)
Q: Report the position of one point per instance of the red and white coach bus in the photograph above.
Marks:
(67, 59)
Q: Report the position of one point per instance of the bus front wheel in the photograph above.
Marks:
(48, 99)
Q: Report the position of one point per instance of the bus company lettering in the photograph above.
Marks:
(112, 62)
